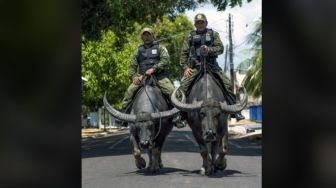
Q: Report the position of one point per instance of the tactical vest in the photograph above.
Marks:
(196, 41)
(148, 57)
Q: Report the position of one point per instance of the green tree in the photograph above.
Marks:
(105, 65)
(222, 4)
(105, 68)
(253, 78)
(120, 16)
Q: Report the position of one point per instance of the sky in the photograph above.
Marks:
(243, 19)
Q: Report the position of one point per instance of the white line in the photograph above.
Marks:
(121, 140)
(192, 140)
(236, 145)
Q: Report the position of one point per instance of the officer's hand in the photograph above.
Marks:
(149, 72)
(187, 72)
(205, 48)
(136, 80)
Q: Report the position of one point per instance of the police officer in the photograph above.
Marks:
(151, 59)
(200, 42)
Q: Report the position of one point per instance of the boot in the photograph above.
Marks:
(178, 122)
(238, 116)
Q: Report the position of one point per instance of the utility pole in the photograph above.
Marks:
(104, 119)
(232, 76)
(225, 62)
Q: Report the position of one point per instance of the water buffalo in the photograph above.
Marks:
(207, 114)
(150, 122)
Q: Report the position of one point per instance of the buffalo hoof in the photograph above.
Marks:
(220, 164)
(140, 162)
(207, 172)
(202, 172)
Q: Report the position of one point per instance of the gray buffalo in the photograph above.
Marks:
(150, 122)
(207, 114)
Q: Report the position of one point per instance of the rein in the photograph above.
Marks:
(205, 77)
(153, 105)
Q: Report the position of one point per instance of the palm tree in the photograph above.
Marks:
(253, 78)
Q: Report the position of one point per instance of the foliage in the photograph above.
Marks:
(253, 78)
(222, 4)
(120, 16)
(106, 67)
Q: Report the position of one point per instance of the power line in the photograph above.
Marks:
(236, 46)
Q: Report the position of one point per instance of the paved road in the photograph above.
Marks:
(107, 163)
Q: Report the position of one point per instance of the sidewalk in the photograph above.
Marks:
(241, 122)
(245, 129)
(96, 132)
(242, 129)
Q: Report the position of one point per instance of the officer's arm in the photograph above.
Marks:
(217, 47)
(164, 60)
(185, 54)
(133, 67)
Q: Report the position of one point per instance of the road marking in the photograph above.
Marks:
(121, 140)
(236, 145)
(192, 140)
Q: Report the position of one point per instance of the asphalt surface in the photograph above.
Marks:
(107, 163)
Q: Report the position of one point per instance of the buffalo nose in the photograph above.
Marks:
(209, 135)
(209, 132)
(144, 143)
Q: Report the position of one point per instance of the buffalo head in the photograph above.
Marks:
(142, 121)
(209, 111)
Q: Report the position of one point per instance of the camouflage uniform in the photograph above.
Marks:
(165, 84)
(214, 50)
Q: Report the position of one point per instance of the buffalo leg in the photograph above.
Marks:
(150, 158)
(139, 161)
(214, 149)
(222, 150)
(155, 167)
(160, 145)
(159, 156)
(156, 154)
(206, 167)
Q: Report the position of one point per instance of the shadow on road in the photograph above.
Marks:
(193, 173)
(163, 171)
(177, 141)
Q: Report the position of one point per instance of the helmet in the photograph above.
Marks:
(200, 16)
(146, 29)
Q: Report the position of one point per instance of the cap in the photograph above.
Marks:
(146, 29)
(200, 16)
